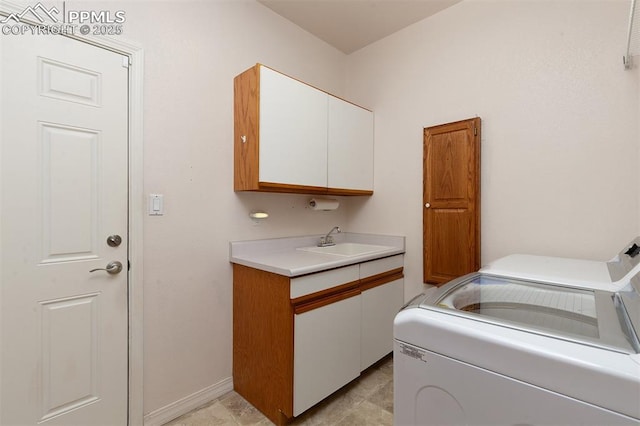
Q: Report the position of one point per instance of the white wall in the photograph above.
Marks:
(559, 129)
(193, 50)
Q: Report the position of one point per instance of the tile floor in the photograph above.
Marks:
(367, 400)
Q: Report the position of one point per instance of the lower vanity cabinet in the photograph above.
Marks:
(297, 340)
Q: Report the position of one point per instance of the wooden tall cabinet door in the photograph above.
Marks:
(451, 196)
(293, 131)
(350, 146)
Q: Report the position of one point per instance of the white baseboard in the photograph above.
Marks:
(182, 406)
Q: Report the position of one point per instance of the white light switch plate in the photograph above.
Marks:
(156, 204)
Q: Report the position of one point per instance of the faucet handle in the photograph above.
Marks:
(326, 241)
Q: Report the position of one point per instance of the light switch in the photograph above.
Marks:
(156, 204)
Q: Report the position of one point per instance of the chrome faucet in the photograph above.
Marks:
(327, 240)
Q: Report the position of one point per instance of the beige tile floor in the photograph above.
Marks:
(367, 400)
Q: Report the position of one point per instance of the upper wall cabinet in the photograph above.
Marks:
(292, 137)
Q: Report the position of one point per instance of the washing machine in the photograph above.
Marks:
(495, 350)
(613, 275)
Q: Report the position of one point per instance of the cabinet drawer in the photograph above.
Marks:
(313, 283)
(375, 267)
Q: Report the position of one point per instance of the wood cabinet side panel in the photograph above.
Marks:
(246, 93)
(263, 341)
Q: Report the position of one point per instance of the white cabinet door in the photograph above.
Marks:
(379, 307)
(326, 351)
(350, 146)
(293, 131)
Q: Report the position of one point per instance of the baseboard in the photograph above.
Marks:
(182, 406)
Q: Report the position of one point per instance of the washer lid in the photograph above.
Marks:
(581, 315)
(613, 275)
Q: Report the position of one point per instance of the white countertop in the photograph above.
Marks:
(281, 255)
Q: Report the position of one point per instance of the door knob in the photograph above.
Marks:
(114, 240)
(112, 268)
(427, 205)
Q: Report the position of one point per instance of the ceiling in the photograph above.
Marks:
(349, 25)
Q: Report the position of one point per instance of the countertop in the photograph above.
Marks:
(281, 255)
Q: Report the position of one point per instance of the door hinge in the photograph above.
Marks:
(475, 131)
(125, 62)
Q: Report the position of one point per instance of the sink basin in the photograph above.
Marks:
(347, 249)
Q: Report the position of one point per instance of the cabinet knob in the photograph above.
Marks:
(243, 138)
(427, 205)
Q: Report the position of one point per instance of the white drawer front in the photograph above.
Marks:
(379, 266)
(312, 283)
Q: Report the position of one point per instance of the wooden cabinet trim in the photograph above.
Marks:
(289, 188)
(381, 279)
(322, 298)
(302, 189)
(319, 303)
(339, 191)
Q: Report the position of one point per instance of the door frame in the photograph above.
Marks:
(135, 200)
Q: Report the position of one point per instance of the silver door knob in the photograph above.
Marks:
(427, 205)
(114, 240)
(112, 268)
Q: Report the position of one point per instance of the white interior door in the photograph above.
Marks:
(63, 192)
